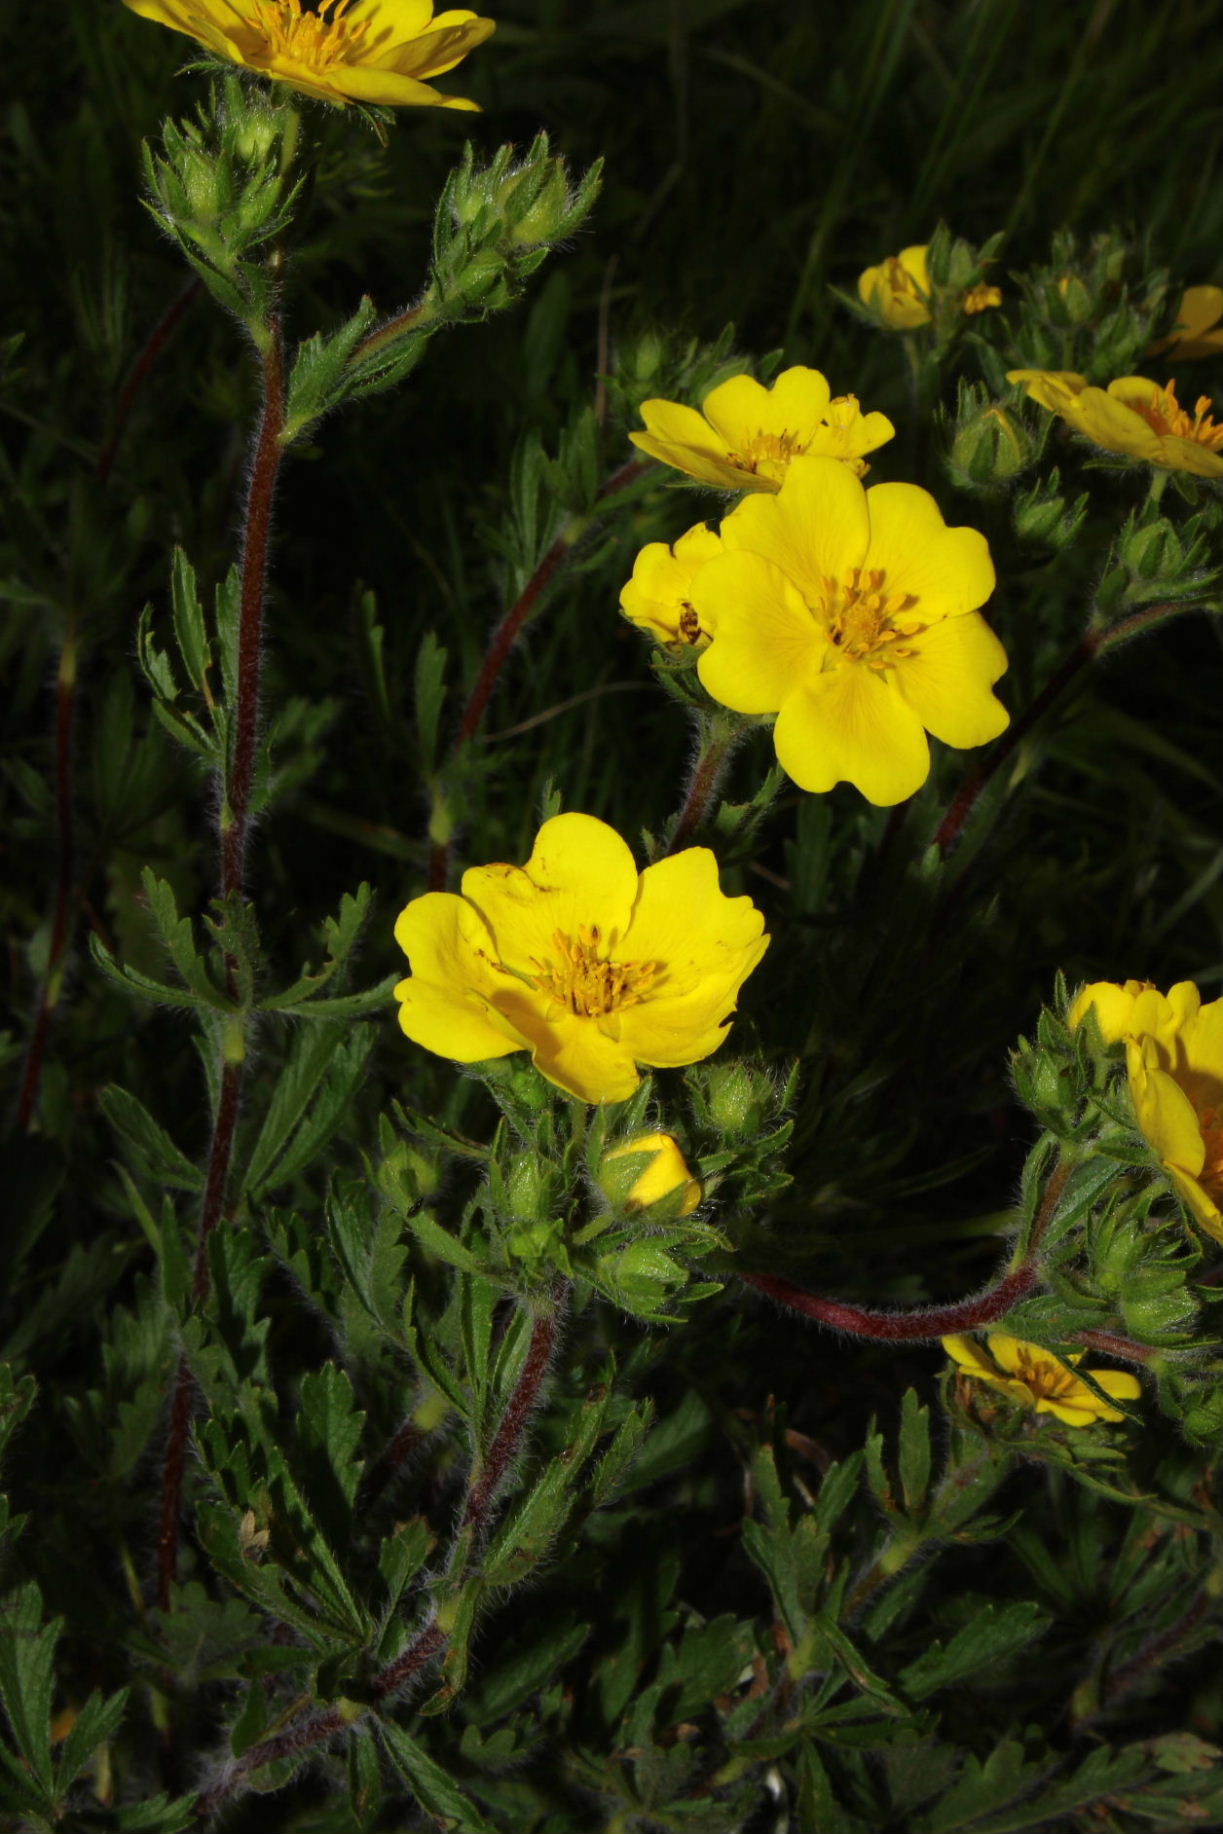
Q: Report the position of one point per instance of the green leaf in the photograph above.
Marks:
(317, 378)
(430, 688)
(27, 1678)
(914, 1451)
(133, 981)
(17, 1396)
(311, 1097)
(517, 1677)
(340, 936)
(434, 1788)
(190, 629)
(329, 1429)
(995, 1633)
(96, 1724)
(151, 1148)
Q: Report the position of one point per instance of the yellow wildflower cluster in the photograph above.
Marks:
(851, 614)
(378, 51)
(1174, 1056)
(576, 957)
(1039, 1380)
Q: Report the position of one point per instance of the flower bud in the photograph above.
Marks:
(204, 185)
(648, 1170)
(989, 448)
(1042, 516)
(740, 1100)
(407, 1178)
(1152, 551)
(529, 1189)
(641, 1276)
(1074, 303)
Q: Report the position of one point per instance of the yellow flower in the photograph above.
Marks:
(899, 289)
(666, 1172)
(979, 299)
(1034, 1376)
(379, 51)
(746, 436)
(659, 595)
(579, 959)
(1198, 331)
(1133, 416)
(851, 614)
(1174, 1054)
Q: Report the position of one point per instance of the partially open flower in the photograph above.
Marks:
(1174, 1055)
(852, 615)
(379, 51)
(579, 959)
(746, 435)
(658, 598)
(898, 290)
(1034, 1376)
(1133, 416)
(1199, 332)
(664, 1174)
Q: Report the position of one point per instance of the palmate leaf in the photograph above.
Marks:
(310, 1099)
(996, 1633)
(340, 935)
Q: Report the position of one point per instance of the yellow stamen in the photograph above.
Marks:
(861, 613)
(1045, 1378)
(586, 982)
(768, 454)
(689, 623)
(1164, 414)
(315, 38)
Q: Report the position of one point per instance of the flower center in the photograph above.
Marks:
(1045, 1378)
(585, 981)
(860, 613)
(317, 38)
(1165, 414)
(689, 625)
(768, 454)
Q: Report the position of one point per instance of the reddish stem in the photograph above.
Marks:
(513, 1423)
(922, 1324)
(265, 469)
(154, 344)
(1112, 1345)
(707, 774)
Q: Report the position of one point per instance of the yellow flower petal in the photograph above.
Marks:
(850, 726)
(377, 51)
(579, 1058)
(967, 1352)
(1113, 1005)
(1198, 332)
(1200, 1202)
(816, 528)
(948, 570)
(741, 407)
(447, 1003)
(1165, 1114)
(658, 597)
(765, 640)
(580, 873)
(947, 680)
(665, 1172)
(898, 289)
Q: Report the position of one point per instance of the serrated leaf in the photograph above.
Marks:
(151, 1147)
(434, 1788)
(340, 935)
(311, 1096)
(913, 1452)
(329, 1429)
(133, 981)
(27, 1678)
(518, 1677)
(190, 629)
(430, 694)
(17, 1396)
(96, 1724)
(995, 1633)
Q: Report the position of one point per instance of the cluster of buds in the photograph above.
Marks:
(222, 186)
(1156, 562)
(496, 223)
(1090, 309)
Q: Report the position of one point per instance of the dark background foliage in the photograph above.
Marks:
(758, 156)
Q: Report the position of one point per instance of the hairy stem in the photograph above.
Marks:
(490, 1475)
(718, 740)
(921, 1324)
(261, 492)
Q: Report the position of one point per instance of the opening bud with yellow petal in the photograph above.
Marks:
(650, 1173)
(1036, 1378)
